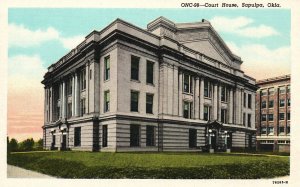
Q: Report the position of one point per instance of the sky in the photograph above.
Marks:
(39, 37)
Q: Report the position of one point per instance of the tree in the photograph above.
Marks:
(39, 144)
(27, 145)
(13, 145)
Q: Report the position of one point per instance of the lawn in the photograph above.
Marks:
(74, 164)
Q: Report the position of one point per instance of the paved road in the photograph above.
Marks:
(16, 172)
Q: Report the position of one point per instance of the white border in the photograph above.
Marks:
(294, 179)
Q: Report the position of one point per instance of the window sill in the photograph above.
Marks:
(107, 80)
(150, 84)
(187, 93)
(207, 98)
(133, 80)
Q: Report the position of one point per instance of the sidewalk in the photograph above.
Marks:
(17, 172)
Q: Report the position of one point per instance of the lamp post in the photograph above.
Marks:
(210, 134)
(226, 135)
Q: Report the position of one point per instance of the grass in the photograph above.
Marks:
(151, 165)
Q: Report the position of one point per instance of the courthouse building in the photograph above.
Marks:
(170, 87)
(273, 114)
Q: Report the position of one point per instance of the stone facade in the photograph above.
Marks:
(273, 114)
(172, 87)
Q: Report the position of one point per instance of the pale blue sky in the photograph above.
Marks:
(73, 22)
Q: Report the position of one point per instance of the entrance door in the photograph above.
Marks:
(250, 141)
(64, 142)
(229, 141)
(214, 140)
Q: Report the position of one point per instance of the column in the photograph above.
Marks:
(64, 99)
(242, 109)
(219, 103)
(45, 105)
(87, 89)
(237, 106)
(215, 102)
(61, 98)
(180, 95)
(197, 98)
(73, 95)
(77, 95)
(175, 91)
(202, 98)
(230, 108)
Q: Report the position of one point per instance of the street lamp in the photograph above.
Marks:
(210, 134)
(225, 135)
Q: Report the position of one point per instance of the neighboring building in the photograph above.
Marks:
(172, 87)
(273, 114)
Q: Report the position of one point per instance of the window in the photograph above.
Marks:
(271, 103)
(187, 83)
(206, 113)
(249, 100)
(106, 101)
(264, 117)
(69, 86)
(104, 136)
(249, 120)
(282, 90)
(288, 89)
(82, 80)
(271, 117)
(264, 104)
(53, 140)
(263, 131)
(58, 112)
(244, 119)
(187, 110)
(288, 116)
(245, 99)
(192, 138)
(271, 91)
(281, 130)
(69, 110)
(91, 74)
(223, 115)
(77, 136)
(149, 103)
(288, 130)
(82, 107)
(207, 89)
(270, 130)
(107, 68)
(281, 116)
(150, 136)
(134, 135)
(223, 94)
(289, 102)
(263, 92)
(134, 104)
(149, 78)
(281, 102)
(135, 68)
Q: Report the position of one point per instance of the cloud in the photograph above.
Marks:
(242, 26)
(71, 42)
(262, 62)
(20, 36)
